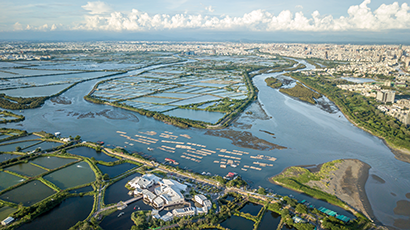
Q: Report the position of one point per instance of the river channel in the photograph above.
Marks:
(311, 135)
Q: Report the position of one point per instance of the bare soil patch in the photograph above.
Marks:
(348, 184)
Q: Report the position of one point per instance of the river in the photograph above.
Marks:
(311, 135)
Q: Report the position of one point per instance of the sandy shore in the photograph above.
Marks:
(347, 183)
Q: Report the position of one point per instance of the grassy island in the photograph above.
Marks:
(302, 92)
(273, 82)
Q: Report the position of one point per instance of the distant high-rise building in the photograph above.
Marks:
(326, 55)
(385, 96)
(407, 62)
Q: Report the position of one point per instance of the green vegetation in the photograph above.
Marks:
(325, 63)
(237, 182)
(10, 114)
(361, 111)
(273, 82)
(301, 92)
(14, 134)
(297, 177)
(262, 191)
(299, 66)
(15, 103)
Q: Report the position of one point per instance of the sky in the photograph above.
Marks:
(121, 17)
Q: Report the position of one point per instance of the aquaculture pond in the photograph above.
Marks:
(26, 169)
(25, 138)
(199, 115)
(74, 175)
(237, 223)
(5, 157)
(63, 216)
(12, 147)
(117, 191)
(8, 180)
(52, 162)
(89, 152)
(4, 136)
(35, 91)
(6, 211)
(116, 170)
(196, 100)
(269, 221)
(44, 146)
(28, 194)
(251, 208)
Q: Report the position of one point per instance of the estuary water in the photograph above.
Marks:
(311, 135)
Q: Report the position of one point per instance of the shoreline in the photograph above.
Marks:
(355, 202)
(400, 153)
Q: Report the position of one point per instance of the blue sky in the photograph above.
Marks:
(211, 15)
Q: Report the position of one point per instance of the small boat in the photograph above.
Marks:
(150, 149)
(233, 166)
(121, 213)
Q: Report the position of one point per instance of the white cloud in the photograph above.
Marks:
(299, 6)
(53, 27)
(359, 17)
(17, 26)
(209, 8)
(97, 7)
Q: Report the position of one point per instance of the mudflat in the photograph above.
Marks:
(348, 184)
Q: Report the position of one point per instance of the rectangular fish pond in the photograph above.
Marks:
(28, 194)
(72, 176)
(52, 162)
(237, 223)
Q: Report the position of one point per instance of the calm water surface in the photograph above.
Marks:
(37, 192)
(71, 176)
(270, 220)
(72, 209)
(237, 223)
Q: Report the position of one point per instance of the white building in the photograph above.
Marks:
(167, 217)
(155, 214)
(200, 199)
(144, 181)
(184, 212)
(149, 196)
(138, 191)
(173, 183)
(206, 204)
(172, 197)
(7, 221)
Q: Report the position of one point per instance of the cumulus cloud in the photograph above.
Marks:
(209, 8)
(17, 26)
(359, 17)
(97, 7)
